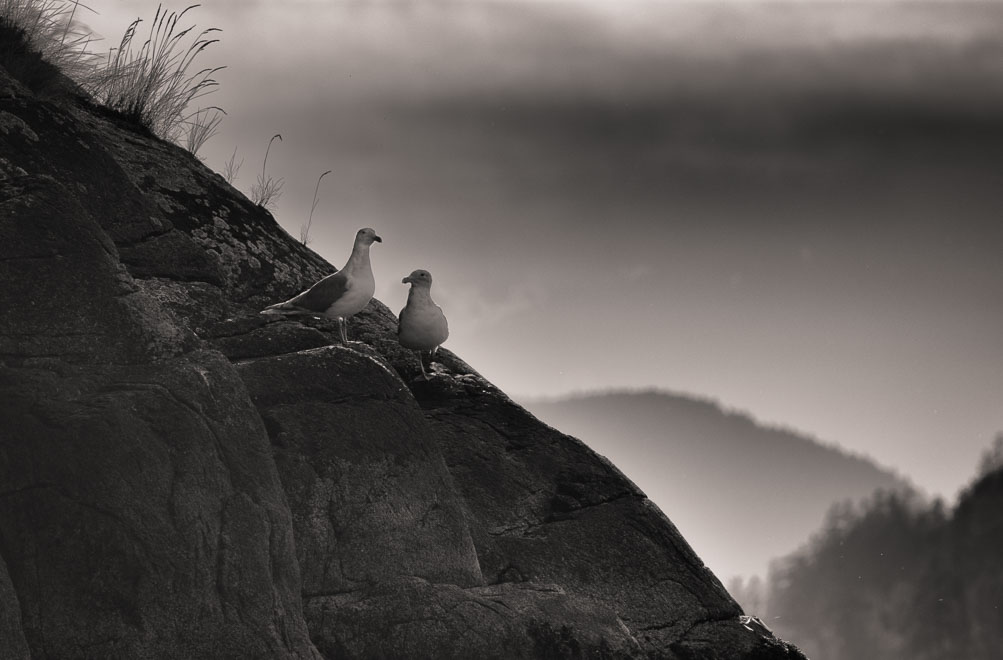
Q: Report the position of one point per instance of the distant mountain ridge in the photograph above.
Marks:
(741, 492)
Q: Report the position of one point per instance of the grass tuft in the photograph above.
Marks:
(202, 125)
(43, 45)
(232, 167)
(267, 190)
(152, 84)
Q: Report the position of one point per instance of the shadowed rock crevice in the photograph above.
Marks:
(180, 477)
(12, 642)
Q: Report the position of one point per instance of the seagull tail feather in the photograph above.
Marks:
(283, 308)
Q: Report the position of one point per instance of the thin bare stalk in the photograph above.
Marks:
(305, 231)
(231, 167)
(267, 190)
(202, 125)
(264, 163)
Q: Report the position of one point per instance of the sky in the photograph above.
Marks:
(793, 208)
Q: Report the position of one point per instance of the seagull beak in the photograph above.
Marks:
(405, 280)
(377, 239)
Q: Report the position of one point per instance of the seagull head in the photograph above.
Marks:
(367, 236)
(418, 278)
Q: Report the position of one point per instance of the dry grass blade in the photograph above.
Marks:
(202, 125)
(267, 190)
(231, 167)
(305, 231)
(266, 193)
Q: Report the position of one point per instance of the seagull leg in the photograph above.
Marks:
(342, 330)
(424, 375)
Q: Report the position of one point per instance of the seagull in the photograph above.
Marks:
(422, 325)
(340, 295)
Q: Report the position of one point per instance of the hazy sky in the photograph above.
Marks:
(794, 208)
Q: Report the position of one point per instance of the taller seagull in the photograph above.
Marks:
(340, 295)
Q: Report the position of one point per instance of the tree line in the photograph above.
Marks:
(896, 577)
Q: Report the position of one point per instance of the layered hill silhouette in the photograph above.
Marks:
(741, 492)
(181, 477)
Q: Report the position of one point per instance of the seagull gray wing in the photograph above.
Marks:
(324, 293)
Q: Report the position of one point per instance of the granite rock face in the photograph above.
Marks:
(181, 477)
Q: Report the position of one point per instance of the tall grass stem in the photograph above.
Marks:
(267, 190)
(305, 231)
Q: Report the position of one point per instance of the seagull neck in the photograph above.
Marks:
(359, 258)
(419, 293)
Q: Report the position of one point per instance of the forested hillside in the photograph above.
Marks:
(898, 578)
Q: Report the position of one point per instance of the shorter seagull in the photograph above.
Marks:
(340, 295)
(422, 325)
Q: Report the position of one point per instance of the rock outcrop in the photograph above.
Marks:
(181, 477)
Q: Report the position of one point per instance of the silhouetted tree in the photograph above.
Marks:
(843, 596)
(992, 458)
(898, 578)
(750, 594)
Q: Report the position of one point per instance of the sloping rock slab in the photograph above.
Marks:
(370, 494)
(411, 618)
(142, 515)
